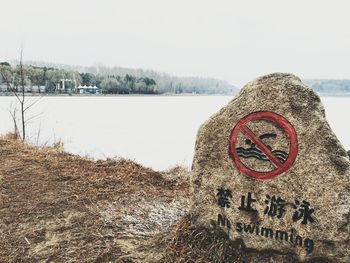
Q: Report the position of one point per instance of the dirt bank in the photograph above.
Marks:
(58, 207)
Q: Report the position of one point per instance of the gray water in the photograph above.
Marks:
(156, 131)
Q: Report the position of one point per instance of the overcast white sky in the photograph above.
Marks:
(231, 40)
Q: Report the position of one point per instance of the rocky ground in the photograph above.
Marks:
(59, 207)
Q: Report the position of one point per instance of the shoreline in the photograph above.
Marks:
(2, 94)
(115, 95)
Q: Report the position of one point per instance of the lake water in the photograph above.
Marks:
(156, 131)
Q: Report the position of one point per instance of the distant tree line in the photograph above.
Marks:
(329, 86)
(36, 76)
(117, 80)
(115, 84)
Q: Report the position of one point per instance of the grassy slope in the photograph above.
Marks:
(57, 207)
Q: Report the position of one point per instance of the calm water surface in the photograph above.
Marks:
(157, 131)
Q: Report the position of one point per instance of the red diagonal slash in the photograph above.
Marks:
(261, 146)
(242, 127)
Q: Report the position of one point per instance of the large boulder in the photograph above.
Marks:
(270, 172)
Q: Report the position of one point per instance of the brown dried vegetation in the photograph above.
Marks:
(58, 207)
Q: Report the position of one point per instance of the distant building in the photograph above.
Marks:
(88, 90)
(32, 89)
(37, 89)
(27, 88)
(3, 87)
(66, 86)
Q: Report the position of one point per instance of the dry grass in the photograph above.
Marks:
(187, 244)
(58, 207)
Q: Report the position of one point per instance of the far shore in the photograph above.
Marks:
(9, 94)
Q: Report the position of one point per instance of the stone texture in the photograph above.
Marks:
(319, 175)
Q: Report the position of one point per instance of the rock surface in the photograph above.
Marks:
(250, 184)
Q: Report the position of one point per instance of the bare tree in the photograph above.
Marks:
(18, 90)
(13, 112)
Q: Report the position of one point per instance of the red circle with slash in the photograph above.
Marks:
(241, 127)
